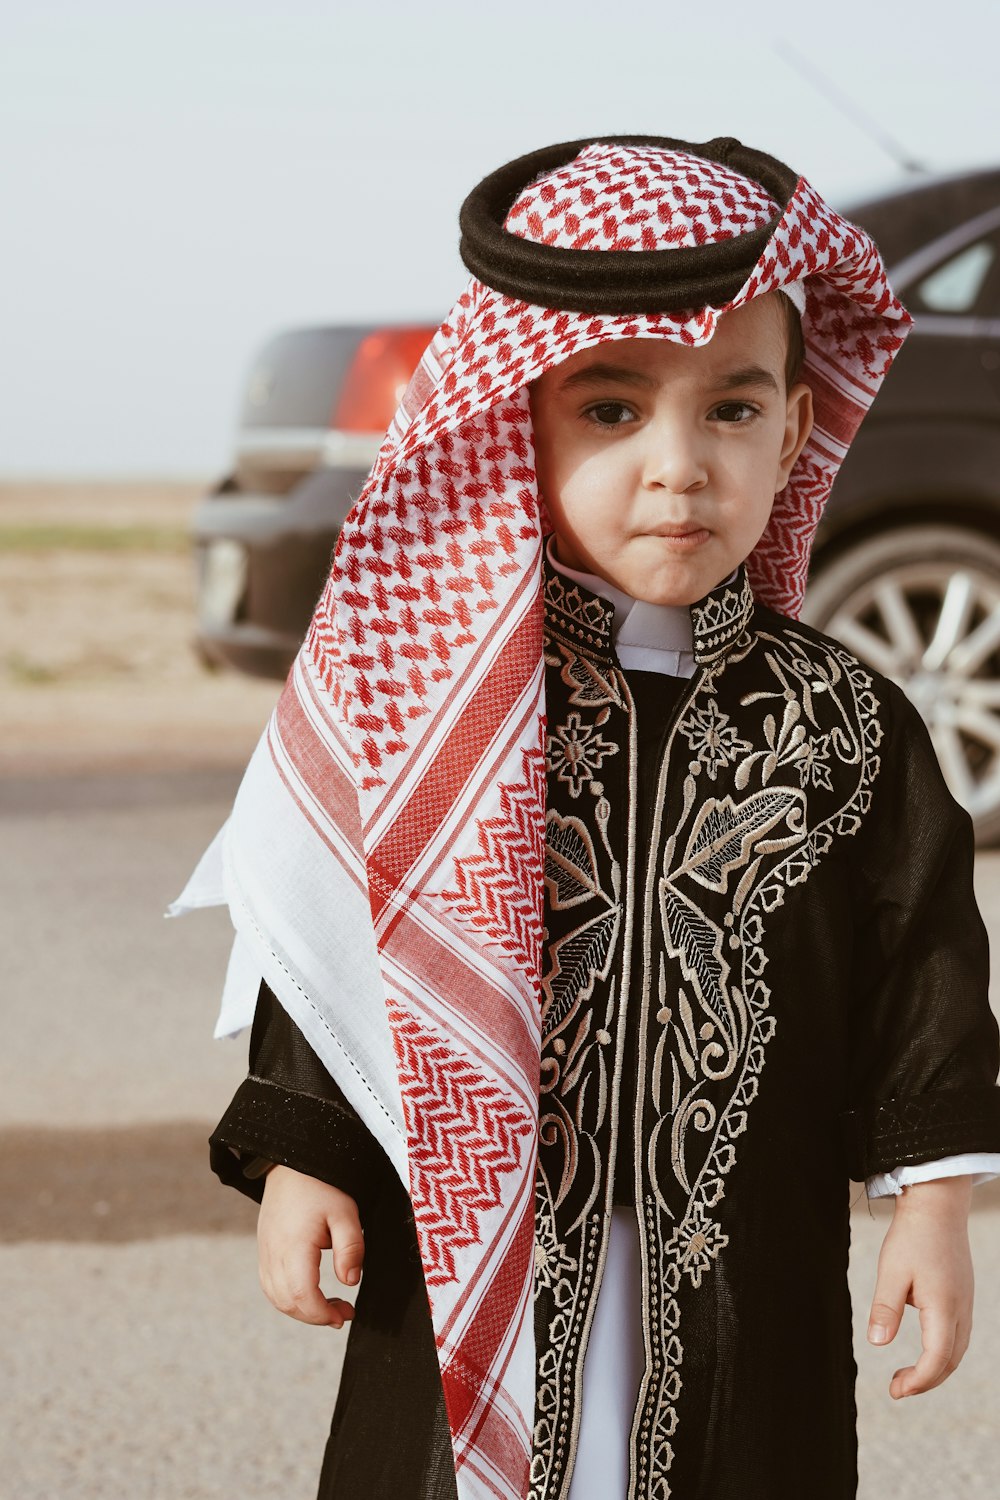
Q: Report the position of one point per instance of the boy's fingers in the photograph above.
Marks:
(344, 1311)
(938, 1331)
(886, 1313)
(348, 1245)
(298, 1288)
(963, 1337)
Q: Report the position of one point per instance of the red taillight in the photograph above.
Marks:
(378, 376)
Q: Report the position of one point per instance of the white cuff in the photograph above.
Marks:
(981, 1166)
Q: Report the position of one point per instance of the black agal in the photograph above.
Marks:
(615, 281)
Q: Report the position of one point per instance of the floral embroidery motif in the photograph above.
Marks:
(713, 738)
(576, 751)
(814, 763)
(696, 1243)
(553, 1264)
(785, 746)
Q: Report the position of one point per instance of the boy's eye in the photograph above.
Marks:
(609, 413)
(735, 411)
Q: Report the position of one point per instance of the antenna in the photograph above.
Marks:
(840, 100)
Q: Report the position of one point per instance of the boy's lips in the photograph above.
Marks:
(681, 536)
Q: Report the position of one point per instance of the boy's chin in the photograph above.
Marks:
(676, 598)
(680, 589)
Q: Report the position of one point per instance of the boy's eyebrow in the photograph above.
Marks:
(605, 374)
(748, 375)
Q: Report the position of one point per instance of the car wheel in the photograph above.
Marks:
(921, 604)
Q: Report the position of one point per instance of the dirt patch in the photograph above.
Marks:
(99, 502)
(98, 668)
(108, 1185)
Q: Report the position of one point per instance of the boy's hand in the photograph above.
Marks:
(300, 1217)
(925, 1260)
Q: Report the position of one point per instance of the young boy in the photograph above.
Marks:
(602, 920)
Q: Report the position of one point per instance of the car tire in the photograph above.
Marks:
(921, 604)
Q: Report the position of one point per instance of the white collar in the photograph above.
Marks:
(657, 637)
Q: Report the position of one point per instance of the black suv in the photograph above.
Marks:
(906, 568)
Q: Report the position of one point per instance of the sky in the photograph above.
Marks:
(181, 181)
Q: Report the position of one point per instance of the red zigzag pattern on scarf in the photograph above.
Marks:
(499, 891)
(464, 1135)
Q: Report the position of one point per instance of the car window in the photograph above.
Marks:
(955, 285)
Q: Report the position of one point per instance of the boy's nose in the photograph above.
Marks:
(673, 459)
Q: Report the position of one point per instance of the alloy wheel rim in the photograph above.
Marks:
(934, 628)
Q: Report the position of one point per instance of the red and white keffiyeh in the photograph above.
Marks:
(383, 861)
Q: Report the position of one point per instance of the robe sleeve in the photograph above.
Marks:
(290, 1110)
(924, 1046)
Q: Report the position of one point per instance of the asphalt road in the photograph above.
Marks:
(139, 1357)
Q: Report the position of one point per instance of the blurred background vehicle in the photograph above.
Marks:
(906, 569)
(907, 566)
(315, 409)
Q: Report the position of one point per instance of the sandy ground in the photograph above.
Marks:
(140, 1358)
(97, 666)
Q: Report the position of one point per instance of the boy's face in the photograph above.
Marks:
(659, 463)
